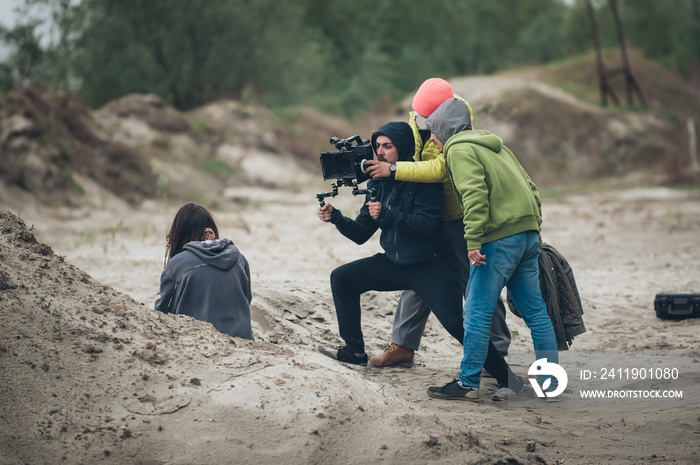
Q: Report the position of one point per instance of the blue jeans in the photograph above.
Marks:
(511, 262)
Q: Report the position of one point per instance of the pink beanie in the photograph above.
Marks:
(430, 95)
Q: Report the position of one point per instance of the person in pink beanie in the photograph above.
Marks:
(430, 95)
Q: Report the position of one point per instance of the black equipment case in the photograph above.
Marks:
(677, 305)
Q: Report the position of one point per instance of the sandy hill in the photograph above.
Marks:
(59, 152)
(92, 376)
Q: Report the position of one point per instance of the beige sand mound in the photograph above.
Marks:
(91, 373)
(91, 376)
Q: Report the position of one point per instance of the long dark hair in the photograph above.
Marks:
(188, 225)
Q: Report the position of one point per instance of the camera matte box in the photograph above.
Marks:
(677, 305)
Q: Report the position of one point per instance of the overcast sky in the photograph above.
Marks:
(9, 18)
(7, 13)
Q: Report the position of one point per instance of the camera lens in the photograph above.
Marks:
(362, 166)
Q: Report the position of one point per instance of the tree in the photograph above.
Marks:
(26, 65)
(603, 84)
(668, 31)
(631, 84)
(343, 56)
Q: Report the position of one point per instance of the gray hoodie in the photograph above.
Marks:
(450, 118)
(209, 281)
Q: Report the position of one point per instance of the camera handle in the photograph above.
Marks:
(372, 193)
(355, 191)
(322, 195)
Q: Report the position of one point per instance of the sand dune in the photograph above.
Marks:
(91, 374)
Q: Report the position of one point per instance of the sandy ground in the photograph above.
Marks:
(91, 374)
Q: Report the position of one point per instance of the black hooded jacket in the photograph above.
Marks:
(411, 216)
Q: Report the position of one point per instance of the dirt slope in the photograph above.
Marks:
(91, 376)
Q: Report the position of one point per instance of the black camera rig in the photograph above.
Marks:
(347, 166)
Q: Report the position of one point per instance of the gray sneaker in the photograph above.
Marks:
(453, 390)
(505, 393)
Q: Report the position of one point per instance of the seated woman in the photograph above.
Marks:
(205, 277)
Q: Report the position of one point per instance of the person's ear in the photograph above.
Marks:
(208, 234)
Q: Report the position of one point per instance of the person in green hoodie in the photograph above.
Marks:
(502, 218)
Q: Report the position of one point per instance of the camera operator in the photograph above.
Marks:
(417, 251)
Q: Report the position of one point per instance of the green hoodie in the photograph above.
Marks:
(497, 196)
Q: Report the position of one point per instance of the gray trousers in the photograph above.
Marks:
(412, 312)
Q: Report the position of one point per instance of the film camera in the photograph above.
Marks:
(347, 165)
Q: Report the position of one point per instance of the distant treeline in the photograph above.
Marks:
(341, 56)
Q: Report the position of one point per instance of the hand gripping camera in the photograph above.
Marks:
(347, 166)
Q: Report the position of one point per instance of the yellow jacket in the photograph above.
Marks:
(429, 166)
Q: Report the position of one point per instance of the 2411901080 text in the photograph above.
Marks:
(631, 373)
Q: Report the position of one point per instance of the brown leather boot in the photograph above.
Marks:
(392, 356)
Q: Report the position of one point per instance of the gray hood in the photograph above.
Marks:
(219, 253)
(450, 118)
